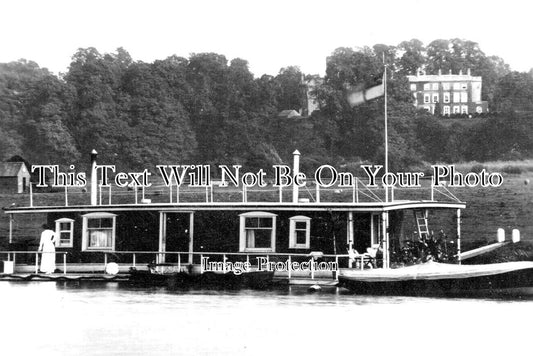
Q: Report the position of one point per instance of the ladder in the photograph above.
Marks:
(422, 223)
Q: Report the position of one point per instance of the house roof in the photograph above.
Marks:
(289, 114)
(10, 169)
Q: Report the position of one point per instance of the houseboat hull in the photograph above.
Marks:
(435, 279)
(207, 280)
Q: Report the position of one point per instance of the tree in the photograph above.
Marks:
(413, 57)
(290, 89)
(513, 92)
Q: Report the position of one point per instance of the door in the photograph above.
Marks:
(173, 235)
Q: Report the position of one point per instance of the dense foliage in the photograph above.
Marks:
(204, 109)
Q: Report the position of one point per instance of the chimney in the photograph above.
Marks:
(94, 155)
(468, 72)
(295, 171)
(460, 72)
(440, 72)
(450, 72)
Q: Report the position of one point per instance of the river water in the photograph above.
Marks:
(48, 318)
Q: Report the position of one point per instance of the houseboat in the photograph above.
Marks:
(302, 235)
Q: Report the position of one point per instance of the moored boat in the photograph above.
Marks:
(210, 238)
(432, 278)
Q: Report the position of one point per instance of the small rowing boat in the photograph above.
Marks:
(209, 280)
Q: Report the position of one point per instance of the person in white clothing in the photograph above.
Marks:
(48, 247)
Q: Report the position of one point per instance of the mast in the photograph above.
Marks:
(386, 132)
(385, 217)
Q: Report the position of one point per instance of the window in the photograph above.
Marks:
(456, 109)
(427, 86)
(257, 232)
(464, 109)
(456, 97)
(446, 97)
(299, 232)
(446, 110)
(435, 86)
(464, 97)
(98, 231)
(456, 86)
(413, 87)
(64, 232)
(479, 109)
(426, 98)
(464, 86)
(435, 98)
(427, 108)
(445, 86)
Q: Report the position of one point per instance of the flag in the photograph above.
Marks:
(360, 96)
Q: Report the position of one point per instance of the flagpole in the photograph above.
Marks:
(386, 133)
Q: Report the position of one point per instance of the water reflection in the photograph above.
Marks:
(119, 319)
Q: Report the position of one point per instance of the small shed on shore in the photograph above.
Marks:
(14, 177)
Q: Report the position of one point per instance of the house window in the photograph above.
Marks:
(456, 109)
(464, 109)
(299, 232)
(64, 232)
(446, 97)
(464, 97)
(413, 87)
(479, 109)
(257, 232)
(435, 86)
(427, 108)
(427, 86)
(426, 98)
(456, 86)
(445, 86)
(446, 110)
(98, 231)
(464, 86)
(456, 97)
(435, 98)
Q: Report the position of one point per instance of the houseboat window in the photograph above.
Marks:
(257, 232)
(299, 232)
(65, 232)
(98, 231)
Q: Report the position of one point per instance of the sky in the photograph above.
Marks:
(269, 34)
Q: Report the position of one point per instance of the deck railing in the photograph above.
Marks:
(186, 260)
(12, 257)
(359, 192)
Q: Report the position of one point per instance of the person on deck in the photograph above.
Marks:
(47, 246)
